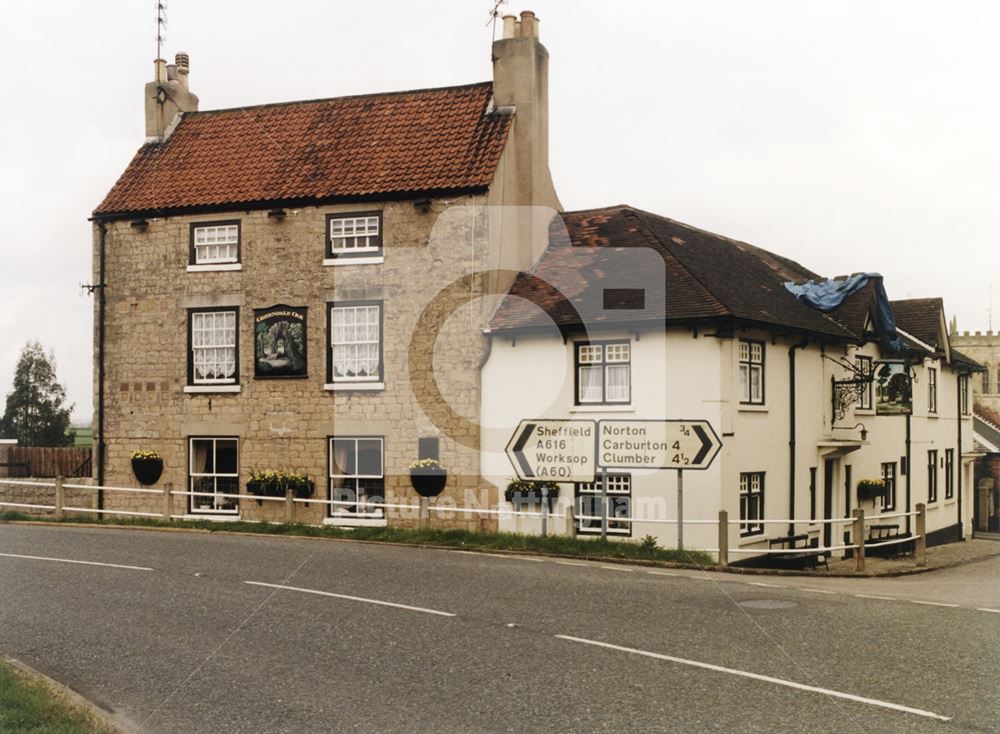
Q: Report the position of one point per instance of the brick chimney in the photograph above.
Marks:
(167, 96)
(521, 81)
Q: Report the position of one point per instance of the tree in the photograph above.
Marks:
(35, 414)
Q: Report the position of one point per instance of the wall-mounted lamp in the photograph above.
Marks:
(864, 431)
(140, 225)
(423, 204)
(278, 214)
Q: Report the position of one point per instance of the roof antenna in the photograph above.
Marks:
(161, 24)
(494, 15)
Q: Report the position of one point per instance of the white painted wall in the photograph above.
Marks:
(679, 375)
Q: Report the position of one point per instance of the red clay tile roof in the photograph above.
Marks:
(374, 146)
(707, 277)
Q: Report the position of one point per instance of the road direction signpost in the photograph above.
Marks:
(658, 444)
(572, 451)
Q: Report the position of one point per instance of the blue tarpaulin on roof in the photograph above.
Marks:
(828, 295)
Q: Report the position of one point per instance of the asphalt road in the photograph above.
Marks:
(346, 637)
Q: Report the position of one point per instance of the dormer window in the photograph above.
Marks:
(357, 235)
(215, 244)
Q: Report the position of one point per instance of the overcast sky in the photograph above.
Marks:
(846, 135)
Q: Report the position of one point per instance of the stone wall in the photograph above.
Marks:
(22, 493)
(286, 424)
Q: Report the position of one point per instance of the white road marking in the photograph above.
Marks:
(815, 591)
(872, 596)
(934, 603)
(81, 563)
(761, 583)
(987, 609)
(662, 573)
(354, 598)
(764, 678)
(570, 563)
(617, 568)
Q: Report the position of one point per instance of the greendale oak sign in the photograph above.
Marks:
(557, 450)
(572, 450)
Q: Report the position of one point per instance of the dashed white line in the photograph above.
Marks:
(354, 598)
(761, 583)
(570, 563)
(987, 609)
(764, 678)
(80, 563)
(816, 591)
(872, 596)
(617, 568)
(933, 603)
(662, 573)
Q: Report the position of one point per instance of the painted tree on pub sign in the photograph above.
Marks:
(35, 412)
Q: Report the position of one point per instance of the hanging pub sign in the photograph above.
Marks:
(279, 343)
(893, 388)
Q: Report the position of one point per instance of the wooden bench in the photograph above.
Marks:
(799, 549)
(880, 533)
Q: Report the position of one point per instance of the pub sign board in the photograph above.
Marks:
(279, 344)
(893, 388)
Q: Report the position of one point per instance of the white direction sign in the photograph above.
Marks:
(557, 450)
(656, 444)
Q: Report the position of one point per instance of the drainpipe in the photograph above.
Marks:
(791, 432)
(909, 467)
(101, 307)
(958, 461)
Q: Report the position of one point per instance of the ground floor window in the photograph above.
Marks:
(357, 475)
(752, 503)
(889, 478)
(949, 473)
(589, 506)
(214, 471)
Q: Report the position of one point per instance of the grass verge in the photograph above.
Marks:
(30, 707)
(593, 548)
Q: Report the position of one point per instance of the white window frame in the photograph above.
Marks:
(932, 396)
(340, 511)
(354, 234)
(603, 356)
(865, 367)
(749, 365)
(356, 306)
(751, 503)
(193, 476)
(194, 315)
(216, 235)
(619, 495)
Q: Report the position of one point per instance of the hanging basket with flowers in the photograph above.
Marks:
(871, 489)
(147, 466)
(428, 477)
(521, 492)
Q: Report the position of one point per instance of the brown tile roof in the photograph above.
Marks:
(920, 317)
(374, 146)
(707, 277)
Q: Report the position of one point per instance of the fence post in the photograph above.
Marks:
(723, 538)
(545, 512)
(167, 501)
(60, 498)
(920, 551)
(289, 506)
(859, 541)
(570, 521)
